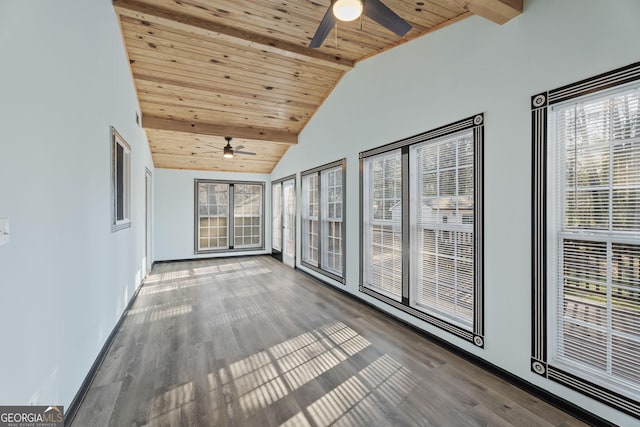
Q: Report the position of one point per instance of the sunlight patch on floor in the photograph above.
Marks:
(335, 403)
(265, 377)
(263, 396)
(298, 420)
(241, 274)
(206, 270)
(172, 399)
(169, 287)
(356, 400)
(170, 312)
(156, 312)
(173, 275)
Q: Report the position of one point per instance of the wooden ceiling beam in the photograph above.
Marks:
(196, 128)
(498, 11)
(149, 13)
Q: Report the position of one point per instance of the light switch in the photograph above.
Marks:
(4, 231)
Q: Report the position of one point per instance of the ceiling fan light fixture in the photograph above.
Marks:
(228, 151)
(347, 10)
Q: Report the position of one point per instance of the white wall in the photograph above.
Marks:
(471, 67)
(65, 277)
(174, 215)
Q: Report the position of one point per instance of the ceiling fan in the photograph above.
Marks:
(228, 151)
(349, 10)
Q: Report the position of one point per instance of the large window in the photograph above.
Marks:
(323, 219)
(442, 227)
(332, 219)
(247, 216)
(422, 226)
(229, 215)
(120, 182)
(382, 222)
(587, 237)
(310, 219)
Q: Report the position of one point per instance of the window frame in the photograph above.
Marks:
(322, 231)
(230, 216)
(544, 298)
(475, 124)
(117, 141)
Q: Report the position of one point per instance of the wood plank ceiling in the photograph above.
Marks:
(206, 69)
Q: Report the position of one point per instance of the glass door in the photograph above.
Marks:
(289, 222)
(147, 222)
(276, 219)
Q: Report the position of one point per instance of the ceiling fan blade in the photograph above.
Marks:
(386, 17)
(325, 26)
(238, 147)
(244, 152)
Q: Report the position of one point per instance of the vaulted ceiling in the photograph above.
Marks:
(206, 69)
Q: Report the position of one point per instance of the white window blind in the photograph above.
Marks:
(382, 223)
(247, 216)
(332, 226)
(442, 228)
(322, 219)
(213, 216)
(276, 216)
(310, 219)
(594, 243)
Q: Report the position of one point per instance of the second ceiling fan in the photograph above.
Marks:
(228, 151)
(349, 10)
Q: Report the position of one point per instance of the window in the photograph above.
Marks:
(332, 219)
(229, 216)
(120, 182)
(382, 224)
(310, 219)
(213, 216)
(586, 284)
(442, 244)
(422, 226)
(247, 216)
(322, 219)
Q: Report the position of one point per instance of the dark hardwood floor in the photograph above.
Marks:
(249, 342)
